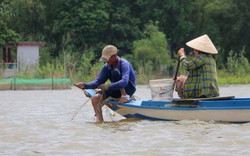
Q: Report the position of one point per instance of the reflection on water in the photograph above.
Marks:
(40, 123)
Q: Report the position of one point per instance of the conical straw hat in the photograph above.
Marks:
(204, 44)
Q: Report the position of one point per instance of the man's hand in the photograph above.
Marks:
(79, 85)
(104, 87)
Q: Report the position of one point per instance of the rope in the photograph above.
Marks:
(77, 111)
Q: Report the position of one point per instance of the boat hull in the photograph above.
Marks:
(236, 110)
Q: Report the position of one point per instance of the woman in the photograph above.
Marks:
(202, 78)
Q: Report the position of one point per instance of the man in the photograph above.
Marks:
(202, 79)
(121, 75)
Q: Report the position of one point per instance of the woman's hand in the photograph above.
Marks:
(181, 52)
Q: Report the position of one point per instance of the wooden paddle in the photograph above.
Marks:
(176, 73)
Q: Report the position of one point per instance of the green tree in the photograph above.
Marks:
(123, 25)
(27, 18)
(7, 35)
(226, 22)
(151, 52)
(240, 28)
(80, 23)
(93, 24)
(175, 19)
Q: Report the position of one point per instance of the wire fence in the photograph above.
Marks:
(35, 84)
(9, 80)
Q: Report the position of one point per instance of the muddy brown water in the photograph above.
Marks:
(40, 123)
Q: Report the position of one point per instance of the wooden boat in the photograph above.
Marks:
(225, 109)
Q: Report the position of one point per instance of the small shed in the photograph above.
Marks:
(28, 54)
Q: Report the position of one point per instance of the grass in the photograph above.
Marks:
(223, 78)
(234, 80)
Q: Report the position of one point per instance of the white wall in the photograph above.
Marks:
(27, 56)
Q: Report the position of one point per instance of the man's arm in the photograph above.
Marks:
(125, 77)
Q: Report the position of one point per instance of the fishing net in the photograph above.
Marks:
(110, 115)
(32, 84)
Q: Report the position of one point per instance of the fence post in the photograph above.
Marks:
(14, 82)
(15, 73)
(52, 76)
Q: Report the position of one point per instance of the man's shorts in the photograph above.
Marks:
(110, 93)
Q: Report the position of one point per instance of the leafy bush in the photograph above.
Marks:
(237, 63)
(151, 53)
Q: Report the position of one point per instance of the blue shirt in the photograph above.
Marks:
(128, 81)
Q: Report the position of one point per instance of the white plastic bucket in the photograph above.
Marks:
(161, 89)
